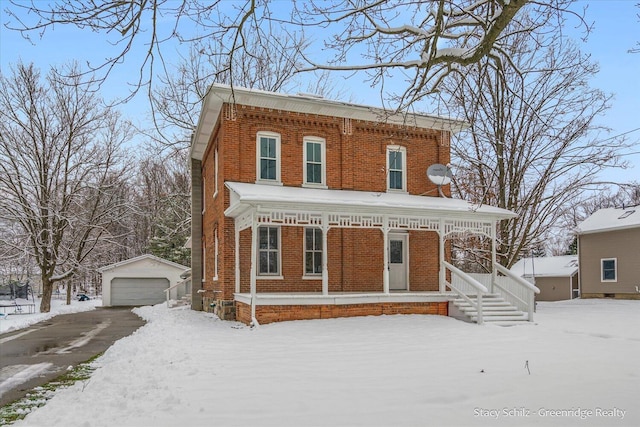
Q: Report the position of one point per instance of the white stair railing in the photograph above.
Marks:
(184, 286)
(515, 290)
(470, 284)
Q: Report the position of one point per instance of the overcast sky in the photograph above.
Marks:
(617, 29)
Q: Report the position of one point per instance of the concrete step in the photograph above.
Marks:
(522, 317)
(501, 309)
(484, 304)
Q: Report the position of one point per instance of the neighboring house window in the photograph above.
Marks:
(268, 251)
(215, 176)
(609, 270)
(268, 161)
(314, 161)
(312, 251)
(397, 168)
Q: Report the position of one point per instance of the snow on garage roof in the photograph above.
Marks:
(139, 258)
(553, 266)
(610, 219)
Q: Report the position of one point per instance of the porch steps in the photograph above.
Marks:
(495, 310)
(185, 300)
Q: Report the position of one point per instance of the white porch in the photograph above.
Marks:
(254, 205)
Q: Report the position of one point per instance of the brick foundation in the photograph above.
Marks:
(279, 313)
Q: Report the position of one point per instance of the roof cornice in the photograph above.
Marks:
(307, 104)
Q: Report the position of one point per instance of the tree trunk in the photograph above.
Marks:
(47, 290)
(68, 292)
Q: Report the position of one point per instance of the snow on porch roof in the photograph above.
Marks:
(246, 195)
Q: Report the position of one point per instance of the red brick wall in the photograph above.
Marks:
(354, 161)
(279, 313)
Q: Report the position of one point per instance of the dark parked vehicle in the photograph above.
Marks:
(82, 297)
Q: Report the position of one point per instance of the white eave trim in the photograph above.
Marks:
(606, 230)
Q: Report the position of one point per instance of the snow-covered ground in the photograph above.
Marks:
(58, 306)
(578, 364)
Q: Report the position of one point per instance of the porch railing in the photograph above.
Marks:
(178, 290)
(516, 290)
(512, 288)
(466, 287)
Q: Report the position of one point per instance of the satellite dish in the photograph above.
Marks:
(439, 174)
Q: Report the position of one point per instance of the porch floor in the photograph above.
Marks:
(344, 298)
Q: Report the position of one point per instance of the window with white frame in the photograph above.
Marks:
(268, 251)
(396, 168)
(312, 251)
(215, 176)
(215, 258)
(609, 269)
(268, 157)
(204, 193)
(204, 264)
(314, 161)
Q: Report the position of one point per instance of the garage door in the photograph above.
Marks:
(138, 291)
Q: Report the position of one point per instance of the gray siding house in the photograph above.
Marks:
(555, 276)
(609, 254)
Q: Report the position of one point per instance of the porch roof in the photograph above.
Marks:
(245, 196)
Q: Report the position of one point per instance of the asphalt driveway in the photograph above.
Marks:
(45, 350)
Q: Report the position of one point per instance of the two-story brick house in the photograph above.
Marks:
(309, 208)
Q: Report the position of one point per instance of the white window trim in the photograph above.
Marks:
(204, 264)
(215, 176)
(278, 180)
(268, 276)
(204, 195)
(403, 150)
(215, 256)
(306, 275)
(323, 160)
(602, 279)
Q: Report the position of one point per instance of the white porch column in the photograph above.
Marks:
(254, 256)
(494, 273)
(385, 263)
(441, 256)
(325, 255)
(237, 257)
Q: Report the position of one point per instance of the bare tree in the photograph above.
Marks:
(533, 146)
(420, 42)
(60, 169)
(163, 207)
(637, 48)
(177, 99)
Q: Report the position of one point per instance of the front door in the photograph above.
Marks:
(398, 261)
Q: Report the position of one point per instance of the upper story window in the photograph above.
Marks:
(397, 168)
(609, 270)
(314, 161)
(268, 157)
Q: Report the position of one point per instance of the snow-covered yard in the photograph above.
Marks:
(577, 364)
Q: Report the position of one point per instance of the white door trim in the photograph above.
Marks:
(404, 237)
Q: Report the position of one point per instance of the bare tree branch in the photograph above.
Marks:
(60, 169)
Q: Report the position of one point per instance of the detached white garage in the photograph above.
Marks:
(139, 281)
